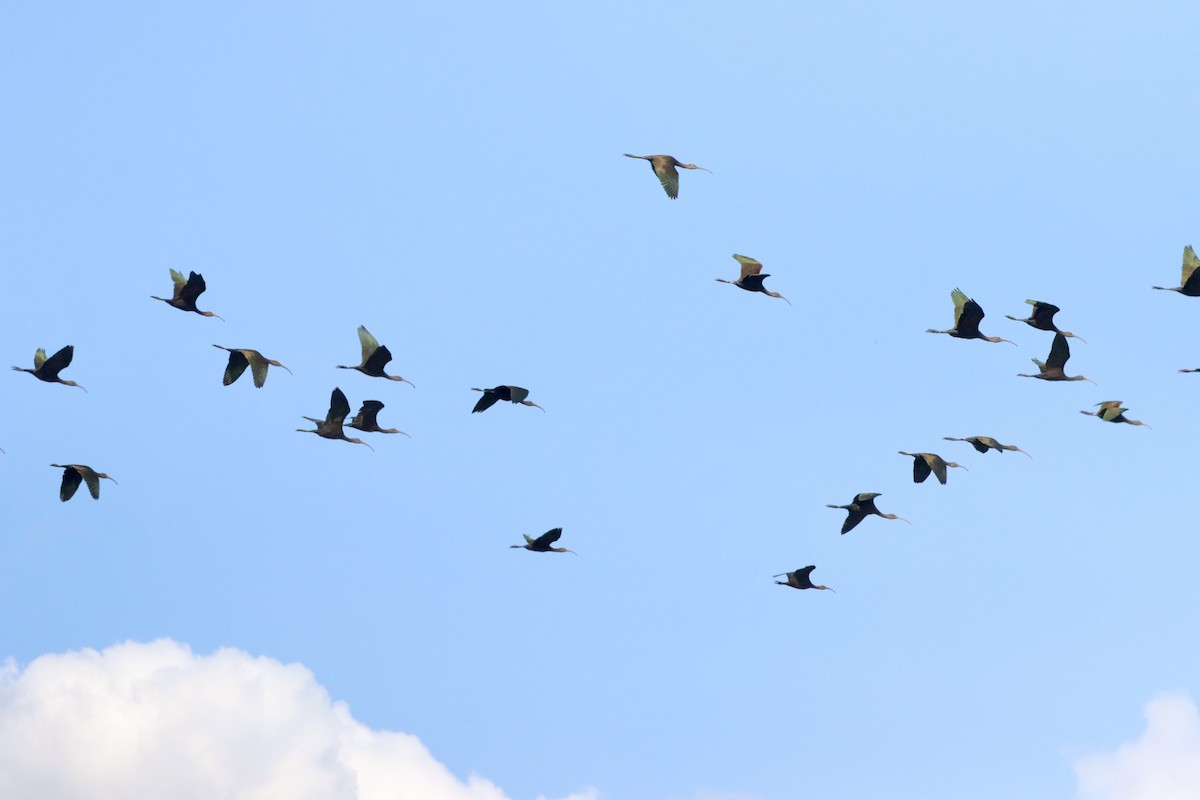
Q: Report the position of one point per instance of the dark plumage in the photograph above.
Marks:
(331, 426)
(186, 292)
(542, 543)
(47, 369)
(75, 474)
(511, 394)
(1043, 319)
(862, 507)
(800, 579)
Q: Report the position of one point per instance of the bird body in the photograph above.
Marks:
(924, 463)
(1111, 411)
(47, 369)
(1043, 319)
(751, 278)
(511, 394)
(800, 579)
(187, 290)
(967, 316)
(1052, 368)
(985, 443)
(366, 419)
(240, 358)
(75, 474)
(542, 543)
(1190, 283)
(862, 507)
(331, 426)
(665, 168)
(374, 358)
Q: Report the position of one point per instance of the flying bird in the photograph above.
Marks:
(967, 316)
(1043, 319)
(860, 508)
(1111, 411)
(366, 419)
(664, 168)
(800, 579)
(1052, 368)
(985, 443)
(47, 369)
(74, 474)
(1190, 284)
(374, 358)
(924, 463)
(331, 426)
(751, 280)
(512, 394)
(240, 358)
(186, 292)
(542, 543)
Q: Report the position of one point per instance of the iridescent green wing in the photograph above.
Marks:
(235, 367)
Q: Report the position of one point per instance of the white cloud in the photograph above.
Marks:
(139, 721)
(1162, 765)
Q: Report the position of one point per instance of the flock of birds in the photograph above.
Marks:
(968, 315)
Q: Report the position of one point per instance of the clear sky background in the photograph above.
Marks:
(452, 178)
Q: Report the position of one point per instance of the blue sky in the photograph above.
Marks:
(452, 179)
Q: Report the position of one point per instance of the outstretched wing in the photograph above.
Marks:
(753, 283)
(516, 394)
(1190, 263)
(93, 484)
(920, 469)
(58, 362)
(39, 358)
(668, 176)
(1043, 314)
(548, 538)
(1060, 352)
(967, 313)
(1110, 413)
(488, 400)
(70, 482)
(367, 417)
(749, 266)
(236, 366)
(978, 445)
(378, 359)
(938, 466)
(339, 407)
(258, 368)
(178, 282)
(368, 342)
(853, 518)
(194, 288)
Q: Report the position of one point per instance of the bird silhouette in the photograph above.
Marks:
(751, 280)
(985, 443)
(862, 507)
(512, 394)
(924, 463)
(800, 579)
(366, 419)
(47, 369)
(1190, 283)
(542, 543)
(665, 168)
(374, 358)
(240, 358)
(331, 426)
(1052, 368)
(1043, 319)
(967, 316)
(186, 292)
(74, 474)
(1111, 411)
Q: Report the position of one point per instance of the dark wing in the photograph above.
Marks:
(938, 466)
(70, 482)
(515, 394)
(378, 359)
(58, 362)
(1060, 353)
(177, 284)
(488, 400)
(803, 576)
(853, 517)
(978, 445)
(339, 407)
(753, 283)
(968, 321)
(236, 366)
(668, 176)
(920, 469)
(368, 414)
(93, 484)
(1043, 314)
(548, 538)
(194, 288)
